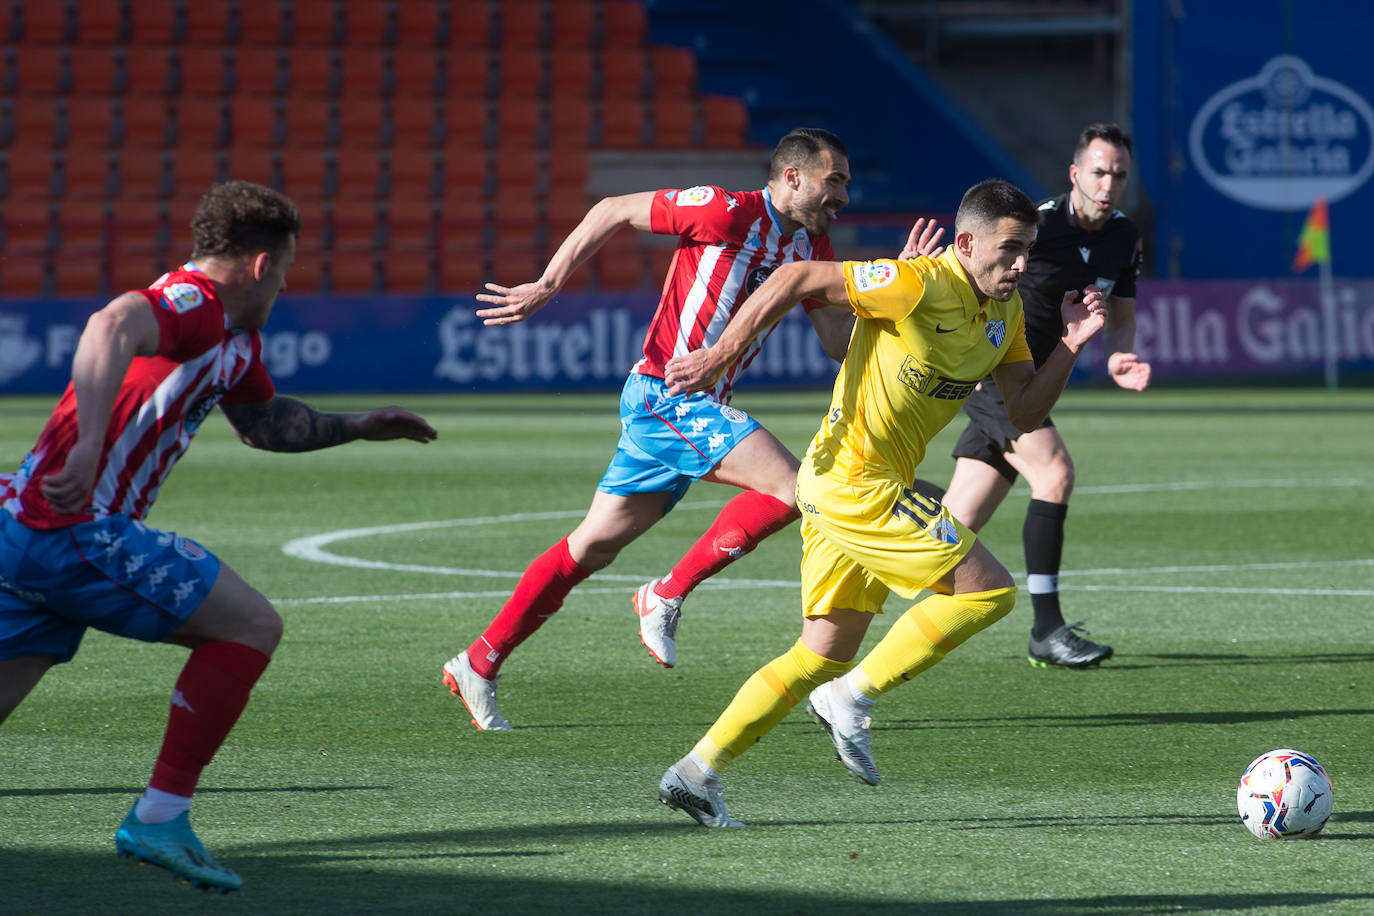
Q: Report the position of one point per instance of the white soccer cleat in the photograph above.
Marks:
(704, 802)
(477, 693)
(658, 619)
(848, 726)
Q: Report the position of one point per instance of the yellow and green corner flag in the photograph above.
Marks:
(1314, 244)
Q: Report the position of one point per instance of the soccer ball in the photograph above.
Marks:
(1284, 794)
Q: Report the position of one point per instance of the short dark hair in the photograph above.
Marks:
(989, 201)
(239, 217)
(801, 148)
(1103, 130)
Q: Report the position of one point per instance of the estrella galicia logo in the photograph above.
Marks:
(996, 331)
(18, 351)
(202, 407)
(1284, 138)
(756, 278)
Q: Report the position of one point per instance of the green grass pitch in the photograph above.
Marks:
(1220, 540)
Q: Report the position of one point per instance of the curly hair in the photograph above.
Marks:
(239, 217)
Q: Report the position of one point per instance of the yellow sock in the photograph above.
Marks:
(764, 701)
(925, 634)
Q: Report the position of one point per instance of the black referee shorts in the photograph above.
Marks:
(989, 434)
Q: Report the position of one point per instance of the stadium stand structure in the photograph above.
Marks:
(431, 144)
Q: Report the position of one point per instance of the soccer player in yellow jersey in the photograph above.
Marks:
(927, 330)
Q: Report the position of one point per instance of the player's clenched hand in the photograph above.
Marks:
(1083, 318)
(513, 303)
(393, 423)
(695, 371)
(69, 490)
(1127, 370)
(923, 240)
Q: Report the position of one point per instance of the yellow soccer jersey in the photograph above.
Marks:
(921, 343)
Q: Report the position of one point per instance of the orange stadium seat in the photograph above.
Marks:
(469, 74)
(22, 277)
(521, 24)
(354, 274)
(367, 24)
(415, 123)
(90, 122)
(622, 123)
(36, 70)
(200, 122)
(316, 23)
(621, 262)
(472, 26)
(725, 121)
(364, 73)
(147, 70)
(410, 172)
(80, 273)
(155, 22)
(674, 123)
(195, 169)
(567, 167)
(422, 23)
(623, 74)
(564, 208)
(571, 123)
(260, 71)
(572, 73)
(520, 123)
(462, 267)
(674, 72)
(87, 173)
(97, 71)
(203, 70)
(660, 257)
(255, 164)
(521, 72)
(466, 122)
(313, 71)
(255, 122)
(143, 171)
(29, 226)
(35, 120)
(315, 229)
(136, 263)
(306, 276)
(83, 226)
(355, 224)
(101, 22)
(208, 23)
(357, 172)
(303, 172)
(520, 168)
(408, 270)
(463, 173)
(263, 24)
(572, 24)
(516, 256)
(362, 123)
(624, 24)
(416, 72)
(179, 211)
(48, 24)
(516, 212)
(309, 123)
(146, 121)
(30, 172)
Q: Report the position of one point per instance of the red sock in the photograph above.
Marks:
(742, 523)
(537, 597)
(210, 695)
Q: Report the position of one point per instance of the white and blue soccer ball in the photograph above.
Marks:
(1284, 794)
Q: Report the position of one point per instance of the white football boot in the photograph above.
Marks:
(848, 725)
(477, 693)
(704, 802)
(658, 619)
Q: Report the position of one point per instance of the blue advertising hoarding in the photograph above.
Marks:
(1244, 116)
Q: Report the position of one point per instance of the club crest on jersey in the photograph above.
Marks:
(733, 414)
(945, 532)
(182, 297)
(188, 548)
(874, 275)
(996, 331)
(699, 196)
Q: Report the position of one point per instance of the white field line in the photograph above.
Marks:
(312, 549)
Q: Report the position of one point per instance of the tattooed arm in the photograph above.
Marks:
(285, 424)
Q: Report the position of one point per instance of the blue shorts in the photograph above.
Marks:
(114, 574)
(668, 442)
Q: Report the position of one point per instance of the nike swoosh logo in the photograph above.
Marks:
(940, 330)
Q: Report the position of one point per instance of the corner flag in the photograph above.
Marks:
(1314, 244)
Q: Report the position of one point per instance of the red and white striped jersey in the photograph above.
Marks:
(730, 242)
(199, 362)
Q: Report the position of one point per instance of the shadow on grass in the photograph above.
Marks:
(1136, 662)
(134, 791)
(1115, 719)
(286, 880)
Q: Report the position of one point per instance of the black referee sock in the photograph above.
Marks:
(1043, 538)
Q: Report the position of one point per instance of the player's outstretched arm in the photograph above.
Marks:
(113, 337)
(284, 424)
(510, 304)
(1126, 368)
(788, 285)
(1029, 392)
(923, 240)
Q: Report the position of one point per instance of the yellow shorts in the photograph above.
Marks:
(860, 542)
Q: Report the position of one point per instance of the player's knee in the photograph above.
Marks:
(263, 626)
